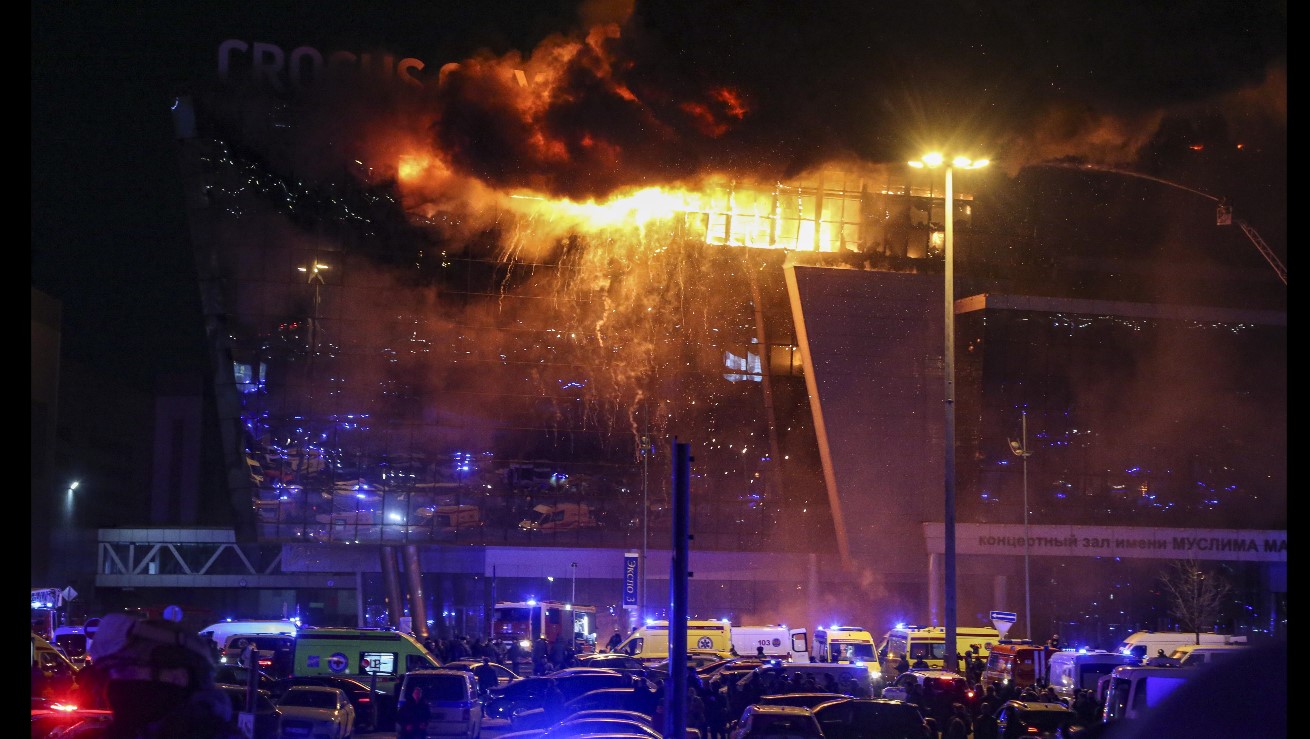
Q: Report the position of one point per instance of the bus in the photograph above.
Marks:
(525, 621)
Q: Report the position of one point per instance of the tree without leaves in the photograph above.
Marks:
(1195, 597)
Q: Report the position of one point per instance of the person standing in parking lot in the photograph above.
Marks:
(539, 649)
(615, 639)
(412, 716)
(958, 726)
(486, 675)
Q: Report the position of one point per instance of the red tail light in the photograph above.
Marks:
(365, 699)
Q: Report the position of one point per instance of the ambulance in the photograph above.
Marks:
(1018, 663)
(928, 643)
(650, 642)
(367, 655)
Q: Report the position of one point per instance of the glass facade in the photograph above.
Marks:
(508, 370)
(1133, 419)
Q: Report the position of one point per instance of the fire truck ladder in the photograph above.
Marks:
(1223, 215)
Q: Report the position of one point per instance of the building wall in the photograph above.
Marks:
(872, 343)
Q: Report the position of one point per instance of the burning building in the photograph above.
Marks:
(509, 285)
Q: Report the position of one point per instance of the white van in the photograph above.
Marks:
(775, 640)
(1074, 670)
(452, 698)
(221, 631)
(1195, 655)
(1135, 689)
(1145, 644)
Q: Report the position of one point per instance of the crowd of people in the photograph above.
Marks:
(544, 656)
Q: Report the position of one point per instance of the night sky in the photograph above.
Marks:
(764, 89)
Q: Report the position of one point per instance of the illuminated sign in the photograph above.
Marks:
(631, 573)
(1139, 542)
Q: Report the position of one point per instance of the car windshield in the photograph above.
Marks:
(74, 645)
(309, 699)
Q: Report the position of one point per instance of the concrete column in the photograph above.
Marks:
(417, 604)
(391, 576)
(936, 582)
(999, 599)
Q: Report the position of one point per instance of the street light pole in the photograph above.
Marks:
(1023, 452)
(645, 514)
(573, 593)
(1027, 589)
(931, 161)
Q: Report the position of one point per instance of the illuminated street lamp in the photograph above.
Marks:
(932, 161)
(313, 276)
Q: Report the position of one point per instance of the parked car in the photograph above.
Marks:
(793, 722)
(452, 698)
(621, 699)
(938, 689)
(696, 659)
(597, 726)
(504, 675)
(530, 692)
(1033, 719)
(268, 718)
(871, 718)
(46, 717)
(805, 700)
(622, 663)
(316, 711)
(370, 705)
(729, 672)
